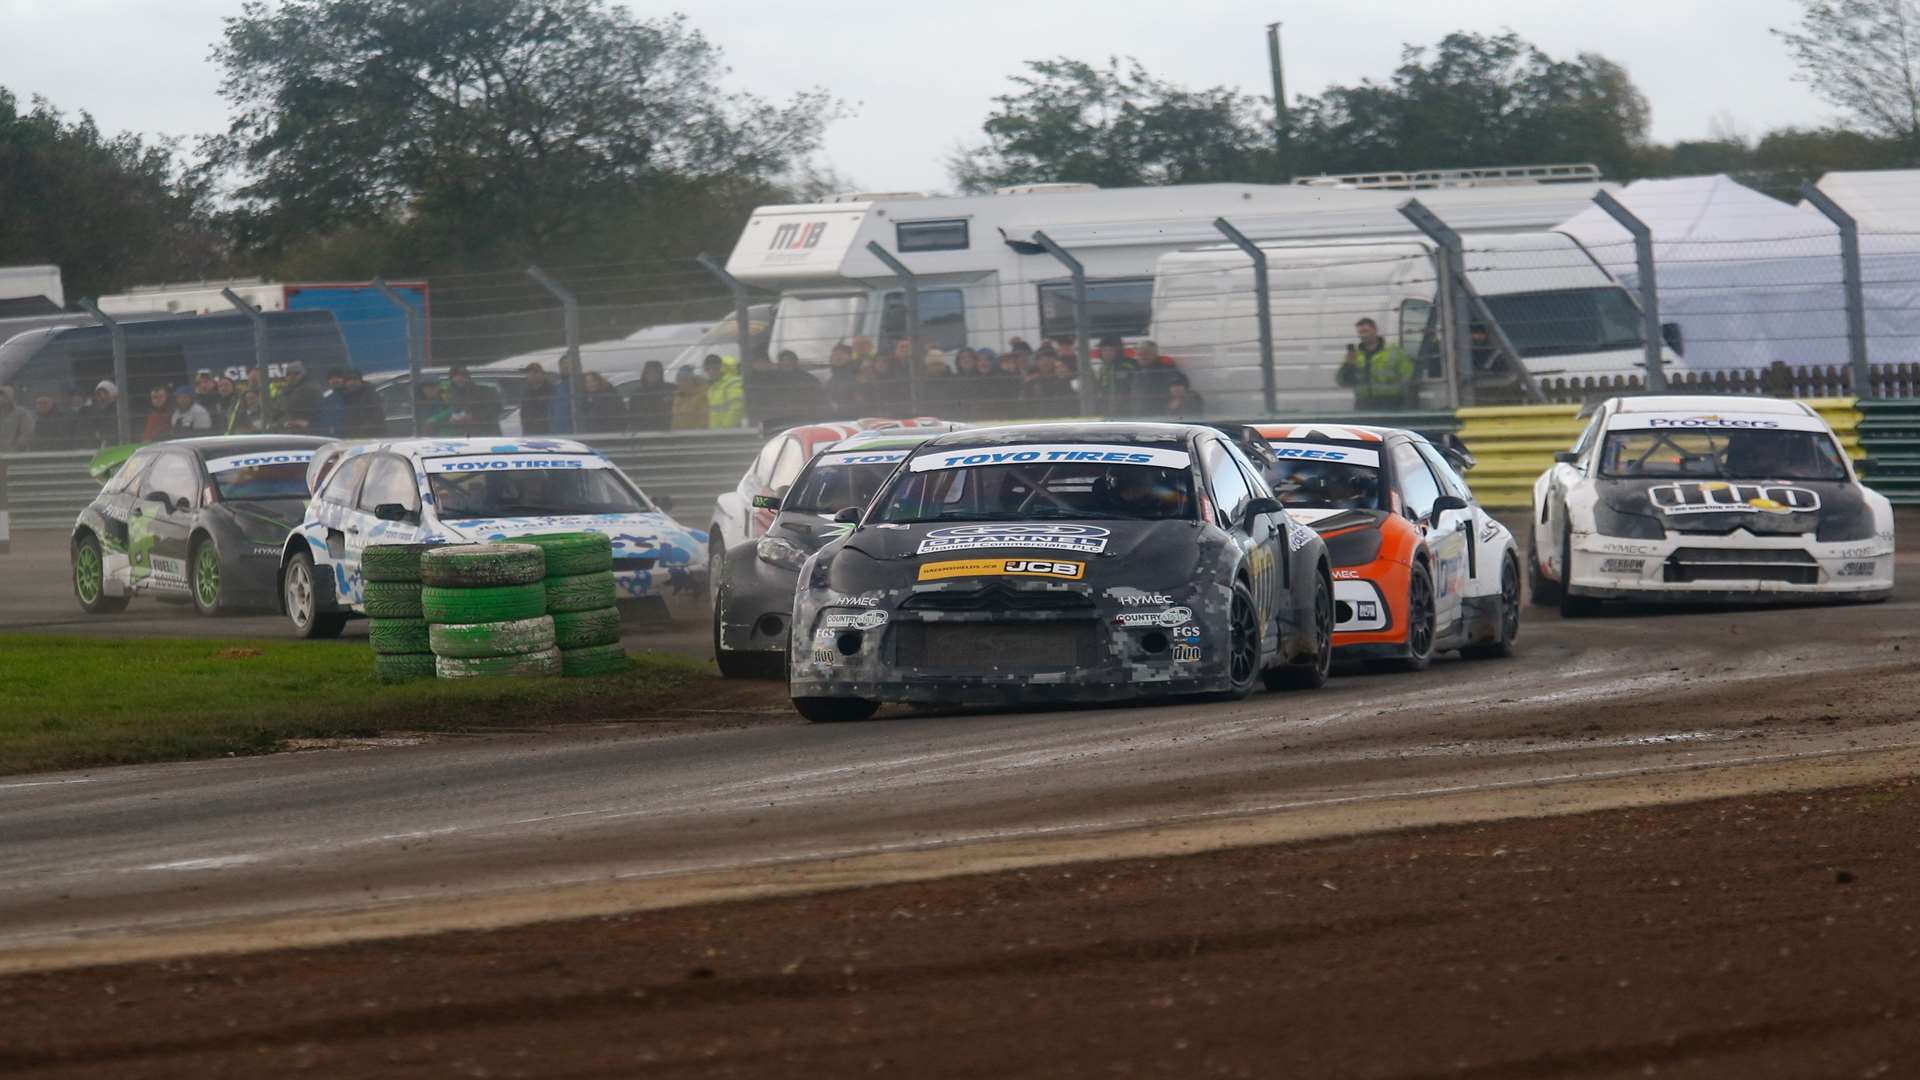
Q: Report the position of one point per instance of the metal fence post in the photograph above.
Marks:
(259, 321)
(1456, 324)
(1850, 279)
(1083, 363)
(122, 410)
(571, 368)
(413, 350)
(1649, 287)
(740, 298)
(910, 287)
(1262, 307)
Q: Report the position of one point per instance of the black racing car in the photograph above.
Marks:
(1062, 563)
(194, 520)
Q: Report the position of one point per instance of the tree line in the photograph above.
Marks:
(443, 137)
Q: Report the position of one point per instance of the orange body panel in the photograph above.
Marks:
(1390, 572)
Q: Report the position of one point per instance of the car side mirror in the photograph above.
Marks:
(847, 516)
(1259, 507)
(766, 502)
(393, 512)
(1676, 340)
(1448, 502)
(1566, 457)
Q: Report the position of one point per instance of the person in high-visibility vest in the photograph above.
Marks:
(726, 402)
(1379, 372)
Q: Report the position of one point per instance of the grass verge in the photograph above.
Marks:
(74, 702)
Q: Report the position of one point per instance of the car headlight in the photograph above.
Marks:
(1837, 527)
(1355, 548)
(781, 552)
(1610, 522)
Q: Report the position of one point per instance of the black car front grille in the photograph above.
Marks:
(993, 647)
(998, 598)
(1687, 565)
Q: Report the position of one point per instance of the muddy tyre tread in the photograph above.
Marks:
(580, 629)
(398, 637)
(580, 592)
(535, 664)
(470, 566)
(392, 562)
(475, 641)
(393, 600)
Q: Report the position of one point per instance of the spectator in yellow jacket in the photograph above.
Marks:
(726, 402)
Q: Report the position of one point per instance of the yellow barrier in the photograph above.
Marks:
(1514, 444)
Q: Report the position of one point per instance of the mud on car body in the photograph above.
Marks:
(451, 491)
(1419, 567)
(1707, 500)
(754, 585)
(1062, 562)
(195, 521)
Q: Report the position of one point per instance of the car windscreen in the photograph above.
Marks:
(1721, 454)
(1042, 482)
(266, 475)
(837, 480)
(1566, 322)
(1320, 476)
(518, 486)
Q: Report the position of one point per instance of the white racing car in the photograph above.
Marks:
(1708, 500)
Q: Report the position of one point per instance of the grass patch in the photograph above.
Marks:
(74, 702)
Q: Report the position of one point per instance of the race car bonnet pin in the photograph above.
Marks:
(1080, 539)
(1050, 454)
(1721, 497)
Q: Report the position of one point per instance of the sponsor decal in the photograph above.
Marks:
(854, 620)
(1863, 551)
(1622, 566)
(169, 569)
(1367, 610)
(1298, 536)
(869, 457)
(1080, 539)
(1018, 454)
(1491, 530)
(942, 571)
(1186, 654)
(1713, 421)
(254, 461)
(1723, 497)
(1348, 455)
(1188, 633)
(1169, 617)
(797, 236)
(1136, 599)
(1615, 547)
(1857, 569)
(1346, 575)
(865, 599)
(518, 462)
(824, 656)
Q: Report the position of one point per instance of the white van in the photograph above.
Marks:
(1563, 313)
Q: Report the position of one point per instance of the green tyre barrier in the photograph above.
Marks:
(473, 641)
(406, 666)
(392, 562)
(468, 566)
(398, 637)
(393, 600)
(580, 592)
(593, 660)
(579, 629)
(546, 662)
(569, 554)
(500, 603)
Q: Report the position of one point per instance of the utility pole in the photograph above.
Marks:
(1282, 122)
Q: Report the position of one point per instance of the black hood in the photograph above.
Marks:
(1762, 507)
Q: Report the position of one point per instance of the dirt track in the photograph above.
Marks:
(1757, 937)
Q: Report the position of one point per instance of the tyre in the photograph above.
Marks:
(579, 629)
(573, 553)
(399, 637)
(1540, 591)
(392, 562)
(580, 592)
(203, 576)
(716, 563)
(1571, 606)
(393, 599)
(89, 578)
(404, 666)
(1243, 643)
(1311, 676)
(1420, 625)
(593, 660)
(499, 603)
(1509, 619)
(468, 641)
(476, 667)
(476, 566)
(835, 710)
(300, 598)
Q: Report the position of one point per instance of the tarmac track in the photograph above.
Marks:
(345, 844)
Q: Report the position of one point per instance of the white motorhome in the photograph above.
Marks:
(1563, 313)
(983, 280)
(30, 290)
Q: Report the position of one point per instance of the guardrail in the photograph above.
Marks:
(48, 490)
(1890, 435)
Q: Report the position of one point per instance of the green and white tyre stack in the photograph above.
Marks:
(580, 598)
(484, 606)
(398, 633)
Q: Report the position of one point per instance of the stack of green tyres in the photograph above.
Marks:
(400, 646)
(486, 610)
(580, 600)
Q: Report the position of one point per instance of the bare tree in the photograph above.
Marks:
(1864, 56)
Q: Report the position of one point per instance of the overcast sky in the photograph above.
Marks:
(921, 76)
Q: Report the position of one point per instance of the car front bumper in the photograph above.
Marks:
(1738, 567)
(754, 603)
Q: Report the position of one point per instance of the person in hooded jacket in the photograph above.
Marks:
(650, 406)
(689, 400)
